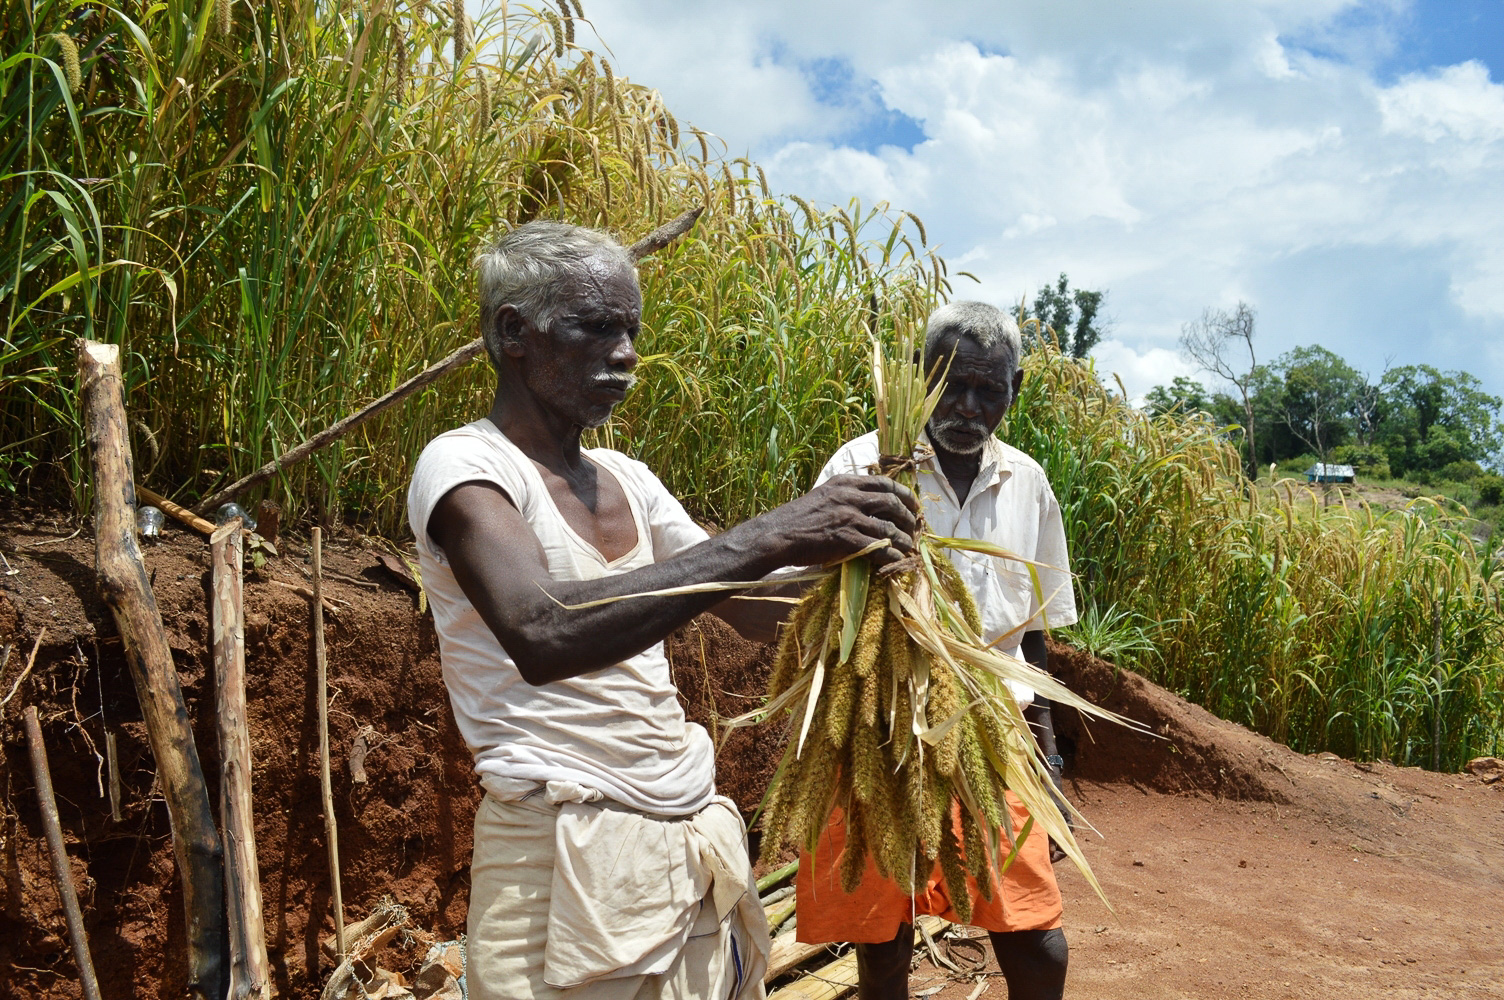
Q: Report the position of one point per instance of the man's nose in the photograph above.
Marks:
(623, 354)
(969, 406)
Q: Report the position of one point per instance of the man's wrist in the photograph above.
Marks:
(1055, 762)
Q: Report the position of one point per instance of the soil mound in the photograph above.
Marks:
(1183, 748)
(405, 830)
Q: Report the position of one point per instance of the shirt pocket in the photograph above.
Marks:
(1004, 596)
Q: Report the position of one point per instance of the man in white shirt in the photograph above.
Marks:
(605, 866)
(972, 486)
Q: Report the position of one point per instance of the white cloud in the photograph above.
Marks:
(1177, 153)
(1460, 101)
(1141, 371)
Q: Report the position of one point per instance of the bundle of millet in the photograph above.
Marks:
(897, 706)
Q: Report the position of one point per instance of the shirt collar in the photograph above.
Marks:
(994, 469)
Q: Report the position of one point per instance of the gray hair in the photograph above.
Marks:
(986, 325)
(527, 268)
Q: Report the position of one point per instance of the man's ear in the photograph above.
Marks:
(511, 330)
(917, 359)
(1018, 381)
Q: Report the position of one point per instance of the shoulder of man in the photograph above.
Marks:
(856, 458)
(476, 452)
(620, 461)
(455, 438)
(632, 473)
(1022, 464)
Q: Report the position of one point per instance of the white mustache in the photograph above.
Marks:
(941, 431)
(623, 382)
(958, 424)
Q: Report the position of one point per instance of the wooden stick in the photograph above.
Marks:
(250, 977)
(126, 590)
(665, 234)
(341, 427)
(651, 243)
(60, 865)
(31, 661)
(325, 780)
(176, 511)
(112, 756)
(788, 953)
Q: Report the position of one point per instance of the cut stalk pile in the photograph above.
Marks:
(897, 704)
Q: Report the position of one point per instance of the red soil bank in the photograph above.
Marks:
(406, 830)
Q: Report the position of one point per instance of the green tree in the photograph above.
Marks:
(1320, 394)
(1431, 418)
(1183, 395)
(1069, 313)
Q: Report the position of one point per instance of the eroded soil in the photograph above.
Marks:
(1237, 867)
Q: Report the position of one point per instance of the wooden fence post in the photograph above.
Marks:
(250, 977)
(126, 590)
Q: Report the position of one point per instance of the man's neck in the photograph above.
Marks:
(538, 433)
(960, 470)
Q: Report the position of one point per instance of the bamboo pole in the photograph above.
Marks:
(60, 865)
(250, 977)
(126, 590)
(826, 983)
(649, 244)
(176, 511)
(326, 783)
(775, 877)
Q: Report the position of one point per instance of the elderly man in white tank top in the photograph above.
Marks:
(605, 865)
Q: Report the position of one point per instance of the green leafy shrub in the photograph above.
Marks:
(277, 225)
(1313, 622)
(1460, 471)
(1368, 461)
(1490, 487)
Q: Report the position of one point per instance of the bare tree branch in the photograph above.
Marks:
(1213, 342)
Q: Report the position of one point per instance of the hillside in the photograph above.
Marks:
(1236, 866)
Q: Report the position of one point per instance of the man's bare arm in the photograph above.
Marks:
(499, 565)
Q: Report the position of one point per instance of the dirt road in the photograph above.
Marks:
(1402, 897)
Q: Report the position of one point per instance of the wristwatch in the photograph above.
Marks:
(1055, 761)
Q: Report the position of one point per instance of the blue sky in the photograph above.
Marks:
(1338, 164)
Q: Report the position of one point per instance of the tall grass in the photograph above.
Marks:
(1371, 633)
(273, 214)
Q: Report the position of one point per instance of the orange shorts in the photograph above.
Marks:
(1027, 900)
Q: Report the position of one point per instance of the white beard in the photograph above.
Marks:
(940, 434)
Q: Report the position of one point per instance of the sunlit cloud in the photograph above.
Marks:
(1178, 154)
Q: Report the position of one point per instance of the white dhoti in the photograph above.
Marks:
(575, 900)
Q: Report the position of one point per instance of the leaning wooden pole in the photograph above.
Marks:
(250, 972)
(341, 427)
(326, 783)
(126, 590)
(649, 244)
(47, 801)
